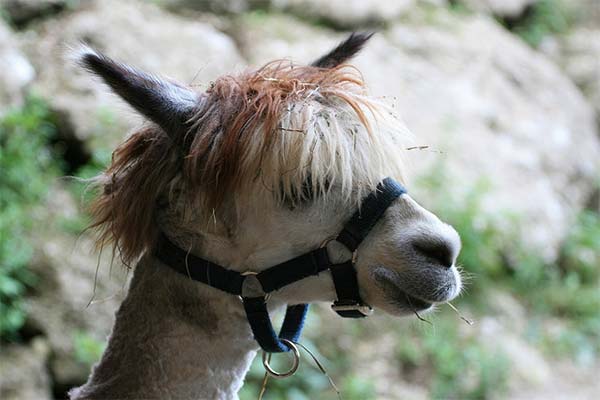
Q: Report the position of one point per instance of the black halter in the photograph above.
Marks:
(254, 288)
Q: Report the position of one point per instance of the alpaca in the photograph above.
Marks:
(263, 166)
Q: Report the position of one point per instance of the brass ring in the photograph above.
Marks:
(266, 357)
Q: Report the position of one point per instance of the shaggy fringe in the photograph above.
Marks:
(278, 133)
(124, 214)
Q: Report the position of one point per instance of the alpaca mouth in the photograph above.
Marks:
(413, 292)
(405, 300)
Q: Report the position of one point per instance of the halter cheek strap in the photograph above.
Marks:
(254, 288)
(349, 303)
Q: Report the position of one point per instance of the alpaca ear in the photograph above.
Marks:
(166, 103)
(344, 51)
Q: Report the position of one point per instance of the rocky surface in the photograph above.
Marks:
(88, 301)
(472, 98)
(487, 105)
(578, 54)
(587, 13)
(346, 13)
(527, 364)
(17, 72)
(500, 8)
(566, 381)
(23, 373)
(186, 50)
(21, 12)
(216, 6)
(532, 374)
(88, 289)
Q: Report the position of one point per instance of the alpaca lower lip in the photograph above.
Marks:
(414, 303)
(395, 287)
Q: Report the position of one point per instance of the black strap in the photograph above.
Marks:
(293, 270)
(372, 208)
(271, 279)
(197, 268)
(230, 281)
(262, 329)
(348, 304)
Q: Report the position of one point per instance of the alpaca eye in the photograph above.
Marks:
(299, 197)
(306, 194)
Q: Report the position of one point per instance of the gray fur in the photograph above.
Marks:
(166, 103)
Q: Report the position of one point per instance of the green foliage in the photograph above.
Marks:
(545, 17)
(88, 349)
(571, 291)
(4, 15)
(27, 170)
(460, 366)
(463, 368)
(459, 8)
(581, 251)
(357, 388)
(81, 192)
(79, 185)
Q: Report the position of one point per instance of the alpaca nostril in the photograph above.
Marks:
(440, 251)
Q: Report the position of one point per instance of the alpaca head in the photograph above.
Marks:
(266, 165)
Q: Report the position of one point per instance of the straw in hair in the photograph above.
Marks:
(280, 133)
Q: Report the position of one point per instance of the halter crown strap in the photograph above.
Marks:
(372, 208)
(253, 288)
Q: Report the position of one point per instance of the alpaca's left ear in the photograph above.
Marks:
(168, 104)
(344, 51)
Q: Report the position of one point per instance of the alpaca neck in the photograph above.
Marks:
(173, 338)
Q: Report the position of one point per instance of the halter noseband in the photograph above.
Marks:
(254, 288)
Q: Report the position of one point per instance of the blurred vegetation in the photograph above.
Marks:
(541, 19)
(462, 368)
(570, 291)
(28, 168)
(88, 349)
(80, 190)
(309, 382)
(31, 161)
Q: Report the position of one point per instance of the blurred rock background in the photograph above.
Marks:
(503, 96)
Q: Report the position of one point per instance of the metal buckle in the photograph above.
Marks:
(251, 286)
(334, 239)
(364, 309)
